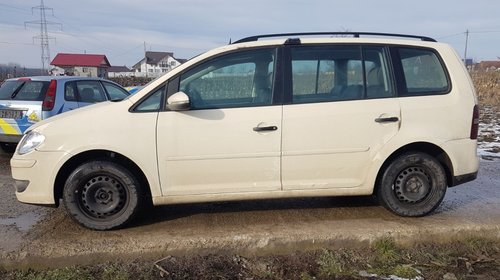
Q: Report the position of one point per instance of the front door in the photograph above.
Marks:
(229, 141)
(89, 92)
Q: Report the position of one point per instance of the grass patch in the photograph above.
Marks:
(469, 257)
(487, 86)
(386, 250)
(330, 264)
(405, 271)
(67, 273)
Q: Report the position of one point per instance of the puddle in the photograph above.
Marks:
(23, 222)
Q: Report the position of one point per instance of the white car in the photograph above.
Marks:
(308, 115)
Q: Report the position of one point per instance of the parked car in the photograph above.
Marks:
(133, 89)
(27, 100)
(259, 119)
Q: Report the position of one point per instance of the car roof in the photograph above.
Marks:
(58, 78)
(334, 34)
(320, 40)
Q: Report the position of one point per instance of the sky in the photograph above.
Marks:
(122, 30)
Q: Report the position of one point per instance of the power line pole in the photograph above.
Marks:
(146, 59)
(466, 43)
(43, 36)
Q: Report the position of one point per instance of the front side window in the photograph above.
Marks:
(90, 91)
(332, 73)
(423, 72)
(152, 102)
(115, 92)
(234, 80)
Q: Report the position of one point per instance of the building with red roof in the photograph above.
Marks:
(87, 65)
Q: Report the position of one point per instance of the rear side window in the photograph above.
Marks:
(69, 92)
(423, 71)
(23, 90)
(333, 73)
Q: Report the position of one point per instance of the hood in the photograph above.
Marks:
(74, 115)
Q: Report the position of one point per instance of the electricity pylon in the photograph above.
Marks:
(44, 35)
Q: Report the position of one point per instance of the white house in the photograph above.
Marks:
(155, 64)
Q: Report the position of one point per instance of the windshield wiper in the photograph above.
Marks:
(17, 90)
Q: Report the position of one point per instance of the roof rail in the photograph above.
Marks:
(354, 34)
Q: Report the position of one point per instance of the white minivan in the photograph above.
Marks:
(293, 115)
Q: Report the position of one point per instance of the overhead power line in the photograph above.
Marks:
(15, 9)
(14, 43)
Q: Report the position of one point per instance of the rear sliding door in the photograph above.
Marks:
(340, 114)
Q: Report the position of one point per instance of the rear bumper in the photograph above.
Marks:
(458, 180)
(464, 160)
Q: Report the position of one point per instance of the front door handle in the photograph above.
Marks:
(265, 128)
(387, 120)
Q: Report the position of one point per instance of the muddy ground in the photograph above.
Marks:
(41, 237)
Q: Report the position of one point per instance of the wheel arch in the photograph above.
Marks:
(111, 156)
(424, 147)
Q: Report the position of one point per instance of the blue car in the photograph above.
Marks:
(25, 101)
(133, 89)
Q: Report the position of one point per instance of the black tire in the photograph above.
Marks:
(102, 195)
(412, 185)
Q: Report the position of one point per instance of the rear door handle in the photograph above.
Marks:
(386, 120)
(265, 128)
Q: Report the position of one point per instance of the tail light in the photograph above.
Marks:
(475, 123)
(50, 96)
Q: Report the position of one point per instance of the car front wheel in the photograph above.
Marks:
(412, 185)
(102, 195)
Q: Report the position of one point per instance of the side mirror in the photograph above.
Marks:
(179, 101)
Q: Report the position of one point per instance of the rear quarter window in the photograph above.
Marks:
(423, 72)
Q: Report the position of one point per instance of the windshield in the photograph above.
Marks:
(23, 90)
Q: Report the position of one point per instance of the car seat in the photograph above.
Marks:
(87, 95)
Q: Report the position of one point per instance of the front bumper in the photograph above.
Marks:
(35, 175)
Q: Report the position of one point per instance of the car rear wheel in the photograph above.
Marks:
(102, 195)
(412, 185)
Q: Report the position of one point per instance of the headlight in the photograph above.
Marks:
(29, 142)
